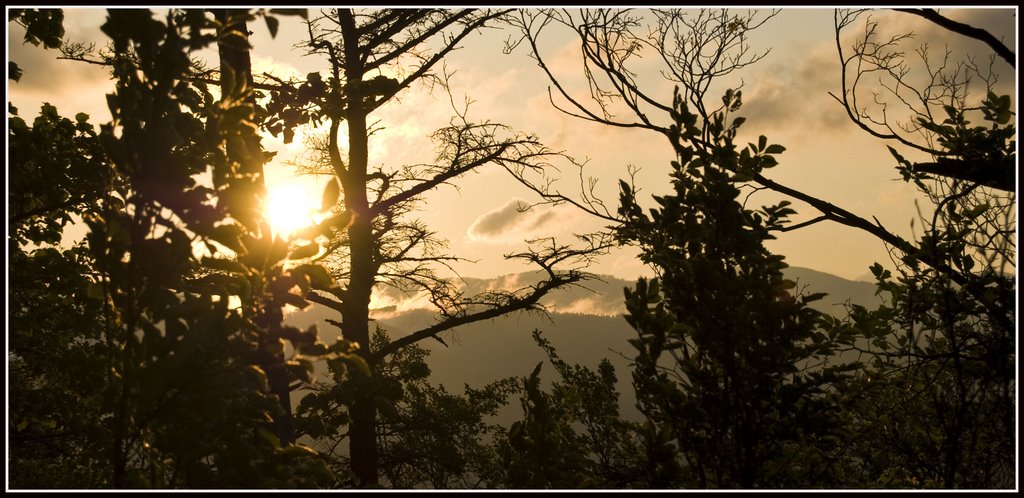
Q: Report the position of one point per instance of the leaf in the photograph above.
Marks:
(762, 142)
(256, 373)
(294, 300)
(303, 13)
(272, 24)
(298, 370)
(358, 362)
(278, 250)
(13, 71)
(229, 236)
(654, 292)
(298, 450)
(976, 211)
(306, 251)
(775, 149)
(318, 275)
(331, 193)
(269, 437)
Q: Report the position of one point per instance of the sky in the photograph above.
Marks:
(786, 97)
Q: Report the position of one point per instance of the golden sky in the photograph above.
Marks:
(785, 98)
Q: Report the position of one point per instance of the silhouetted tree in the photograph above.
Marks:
(426, 436)
(156, 382)
(730, 359)
(938, 399)
(908, 108)
(573, 435)
(694, 49)
(380, 245)
(966, 252)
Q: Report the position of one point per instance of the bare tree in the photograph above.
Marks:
(905, 106)
(695, 48)
(381, 243)
(927, 106)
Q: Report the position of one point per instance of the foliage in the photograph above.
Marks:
(56, 369)
(926, 107)
(164, 388)
(967, 250)
(942, 377)
(730, 360)
(426, 436)
(42, 26)
(572, 436)
(937, 407)
(542, 450)
(430, 436)
(152, 354)
(937, 403)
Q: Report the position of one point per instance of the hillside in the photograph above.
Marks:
(484, 351)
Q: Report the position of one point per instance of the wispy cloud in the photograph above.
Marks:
(71, 87)
(792, 92)
(514, 220)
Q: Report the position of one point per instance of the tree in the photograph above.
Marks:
(42, 26)
(426, 436)
(967, 250)
(572, 436)
(730, 360)
(938, 398)
(927, 108)
(369, 239)
(176, 396)
(695, 50)
(970, 155)
(380, 245)
(55, 364)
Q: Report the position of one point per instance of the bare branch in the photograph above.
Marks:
(967, 30)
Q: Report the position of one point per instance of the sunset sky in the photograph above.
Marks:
(785, 97)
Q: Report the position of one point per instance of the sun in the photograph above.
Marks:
(290, 207)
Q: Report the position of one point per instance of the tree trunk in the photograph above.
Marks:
(251, 159)
(355, 314)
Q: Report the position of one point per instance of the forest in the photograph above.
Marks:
(156, 352)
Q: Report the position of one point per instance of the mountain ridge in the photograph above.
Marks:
(484, 351)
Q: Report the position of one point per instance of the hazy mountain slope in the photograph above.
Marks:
(484, 351)
(839, 289)
(605, 296)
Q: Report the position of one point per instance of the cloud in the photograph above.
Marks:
(791, 91)
(510, 220)
(71, 87)
(598, 306)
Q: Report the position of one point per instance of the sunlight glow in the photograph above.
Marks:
(290, 206)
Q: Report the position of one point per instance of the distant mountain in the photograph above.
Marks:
(585, 326)
(604, 296)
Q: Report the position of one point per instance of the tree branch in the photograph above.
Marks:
(525, 303)
(968, 31)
